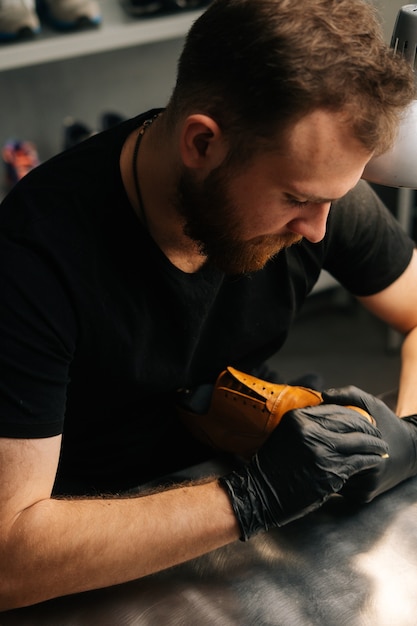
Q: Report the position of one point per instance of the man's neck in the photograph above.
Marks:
(156, 165)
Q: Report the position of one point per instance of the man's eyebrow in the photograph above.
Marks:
(308, 198)
(297, 194)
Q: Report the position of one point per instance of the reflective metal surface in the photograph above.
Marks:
(339, 566)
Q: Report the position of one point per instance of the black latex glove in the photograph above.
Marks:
(306, 459)
(399, 433)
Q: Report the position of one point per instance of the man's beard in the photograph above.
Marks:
(212, 222)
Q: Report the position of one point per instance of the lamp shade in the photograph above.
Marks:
(398, 166)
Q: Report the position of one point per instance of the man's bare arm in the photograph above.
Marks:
(53, 547)
(397, 305)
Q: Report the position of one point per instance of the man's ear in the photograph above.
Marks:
(202, 143)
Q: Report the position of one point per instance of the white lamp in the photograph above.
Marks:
(398, 166)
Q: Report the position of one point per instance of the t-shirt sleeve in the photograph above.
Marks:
(37, 339)
(366, 249)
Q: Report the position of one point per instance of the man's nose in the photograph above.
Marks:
(312, 224)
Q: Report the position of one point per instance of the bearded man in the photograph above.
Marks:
(152, 256)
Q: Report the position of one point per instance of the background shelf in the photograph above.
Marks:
(118, 30)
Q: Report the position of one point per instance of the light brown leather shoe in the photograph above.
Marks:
(244, 410)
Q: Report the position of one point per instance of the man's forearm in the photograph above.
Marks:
(407, 395)
(59, 547)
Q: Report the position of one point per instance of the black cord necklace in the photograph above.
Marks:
(142, 130)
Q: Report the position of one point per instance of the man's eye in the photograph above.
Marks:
(297, 203)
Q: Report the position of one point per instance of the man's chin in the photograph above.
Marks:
(254, 255)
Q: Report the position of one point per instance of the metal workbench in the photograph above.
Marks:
(340, 566)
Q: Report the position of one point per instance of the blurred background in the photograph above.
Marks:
(81, 75)
(126, 64)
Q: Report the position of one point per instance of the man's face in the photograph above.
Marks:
(212, 220)
(241, 217)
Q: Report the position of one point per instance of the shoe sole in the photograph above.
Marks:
(139, 10)
(81, 22)
(22, 34)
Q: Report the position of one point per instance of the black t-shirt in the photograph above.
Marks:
(99, 330)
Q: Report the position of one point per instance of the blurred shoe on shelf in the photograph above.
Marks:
(142, 8)
(19, 157)
(75, 132)
(70, 14)
(18, 20)
(110, 119)
(185, 4)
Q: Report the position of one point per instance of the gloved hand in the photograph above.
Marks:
(399, 433)
(307, 458)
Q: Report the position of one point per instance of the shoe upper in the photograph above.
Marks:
(17, 16)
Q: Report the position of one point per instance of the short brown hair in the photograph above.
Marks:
(257, 65)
